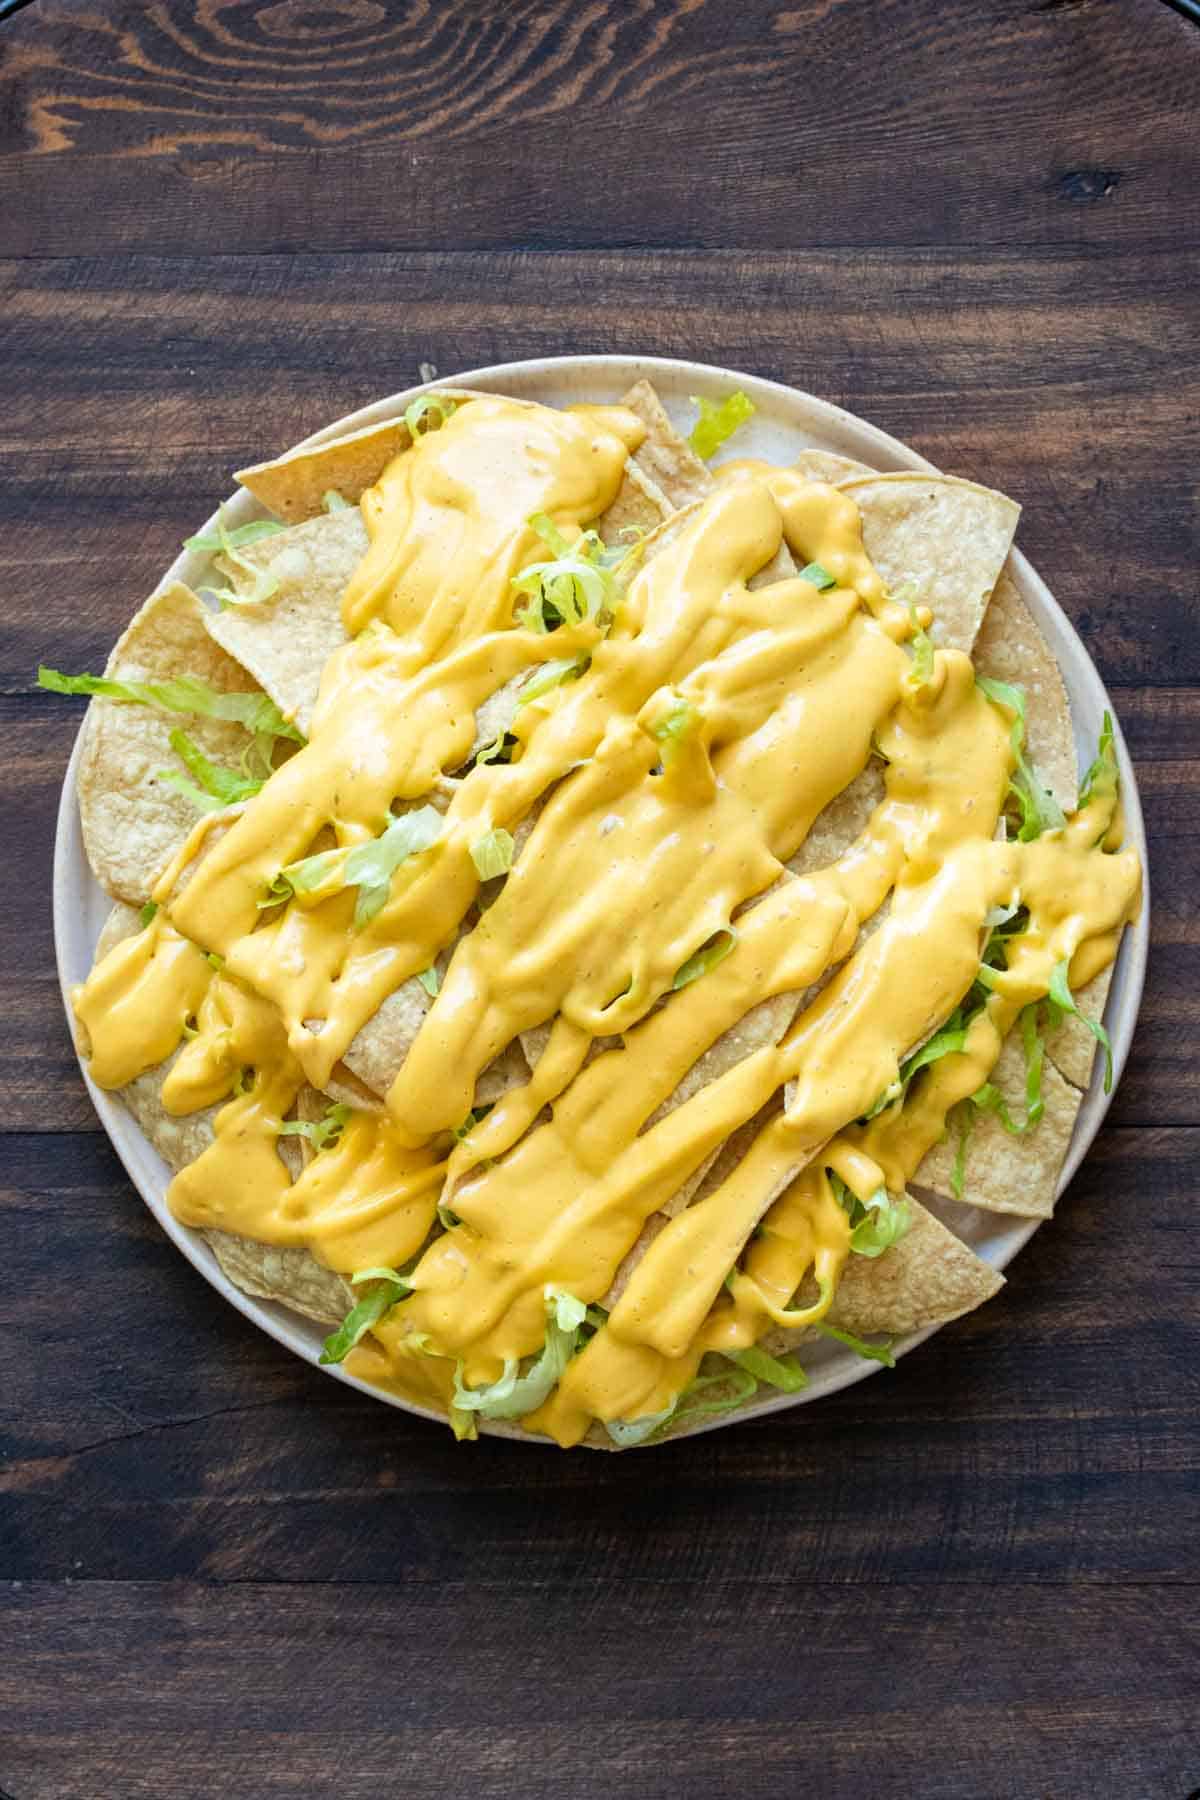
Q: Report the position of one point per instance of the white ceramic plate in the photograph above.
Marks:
(785, 422)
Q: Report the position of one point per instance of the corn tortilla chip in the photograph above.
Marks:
(949, 536)
(290, 1275)
(1010, 647)
(1072, 1048)
(827, 465)
(133, 822)
(928, 1278)
(1004, 1173)
(293, 486)
(293, 1277)
(665, 457)
(286, 641)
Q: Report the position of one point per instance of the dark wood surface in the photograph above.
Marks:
(222, 1574)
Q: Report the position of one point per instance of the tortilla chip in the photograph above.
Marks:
(844, 819)
(640, 505)
(293, 486)
(1004, 1173)
(827, 465)
(667, 458)
(1010, 647)
(1072, 1048)
(133, 822)
(286, 641)
(949, 536)
(292, 1277)
(928, 1278)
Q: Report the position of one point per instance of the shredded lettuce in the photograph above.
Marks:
(880, 1353)
(550, 675)
(820, 578)
(1060, 995)
(333, 502)
(1038, 808)
(181, 694)
(223, 540)
(745, 1384)
(877, 1222)
(921, 644)
(366, 1312)
(625, 1433)
(782, 1372)
(717, 422)
(492, 854)
(428, 412)
(513, 1394)
(218, 787)
(1103, 775)
(148, 912)
(321, 1133)
(1034, 1047)
(946, 1042)
(673, 727)
(472, 1119)
(370, 867)
(966, 1125)
(430, 980)
(577, 583)
(230, 544)
(499, 750)
(706, 958)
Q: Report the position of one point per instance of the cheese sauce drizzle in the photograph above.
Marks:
(659, 794)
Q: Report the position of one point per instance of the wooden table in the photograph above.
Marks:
(223, 1575)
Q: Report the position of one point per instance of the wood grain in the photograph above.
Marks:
(184, 124)
(134, 1687)
(136, 385)
(220, 1571)
(1048, 1438)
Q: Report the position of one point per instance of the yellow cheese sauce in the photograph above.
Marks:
(706, 725)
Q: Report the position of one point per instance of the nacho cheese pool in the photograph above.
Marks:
(573, 902)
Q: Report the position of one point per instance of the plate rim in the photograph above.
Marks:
(841, 1368)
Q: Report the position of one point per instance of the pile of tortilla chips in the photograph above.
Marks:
(951, 536)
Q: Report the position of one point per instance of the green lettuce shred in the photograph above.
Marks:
(368, 867)
(578, 582)
(181, 694)
(1060, 996)
(877, 1222)
(1103, 775)
(718, 421)
(321, 1133)
(966, 1125)
(550, 675)
(820, 578)
(366, 1312)
(333, 502)
(514, 1395)
(148, 913)
(880, 1353)
(783, 1372)
(230, 545)
(492, 854)
(920, 670)
(625, 1433)
(431, 981)
(217, 787)
(429, 412)
(706, 958)
(1039, 810)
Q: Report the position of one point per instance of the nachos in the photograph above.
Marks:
(577, 900)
